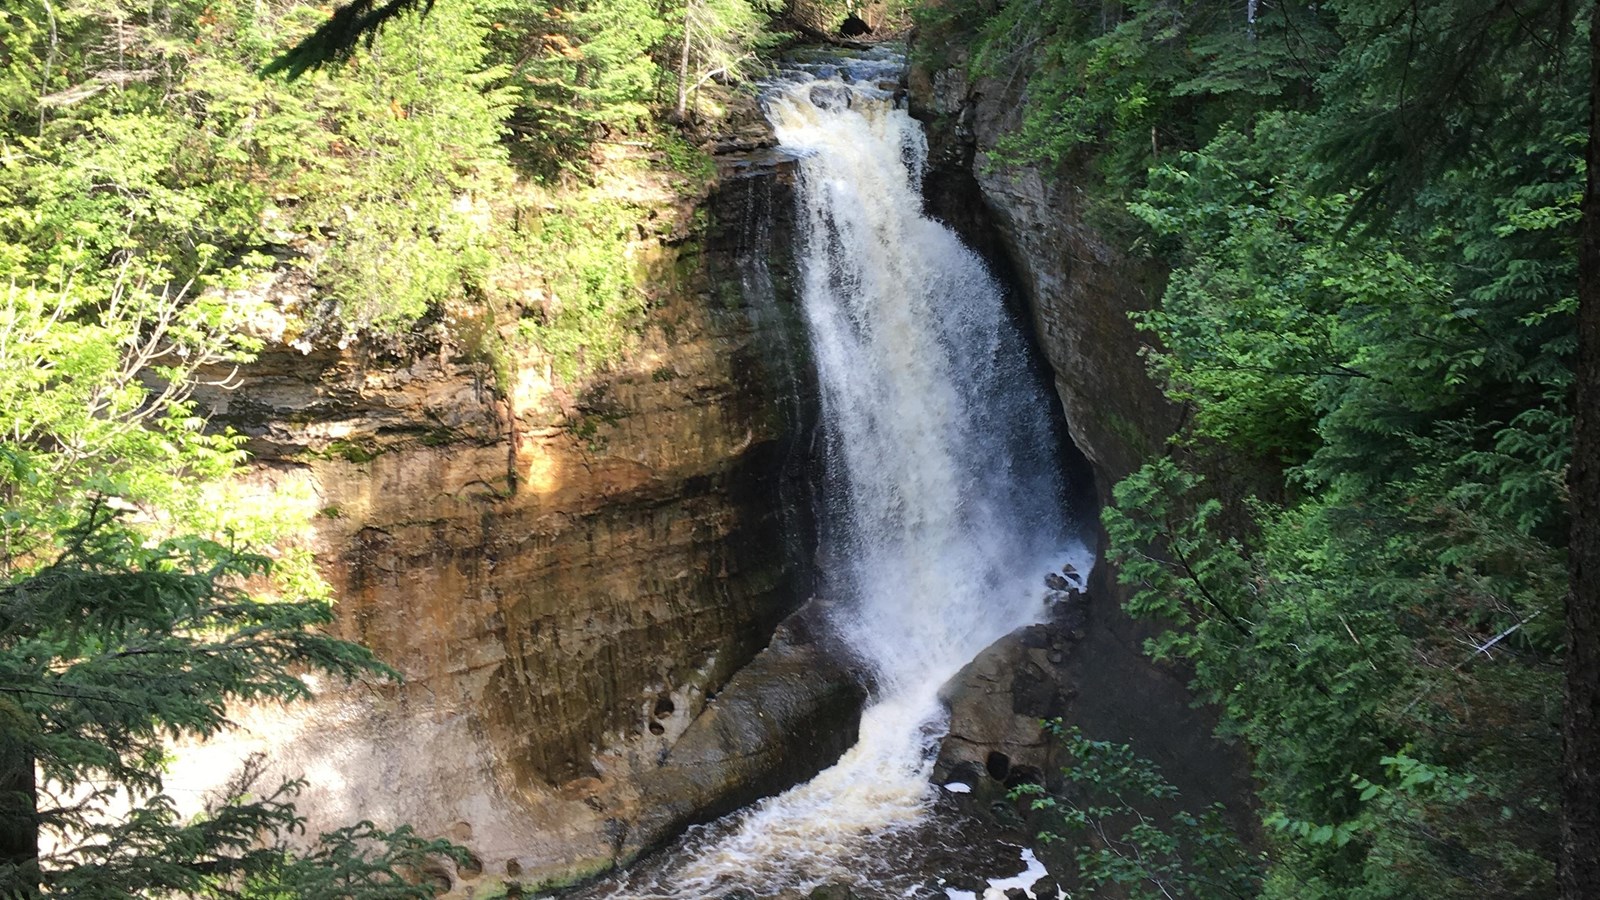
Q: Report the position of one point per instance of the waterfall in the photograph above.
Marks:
(943, 504)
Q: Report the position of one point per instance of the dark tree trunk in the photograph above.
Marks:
(1580, 826)
(19, 819)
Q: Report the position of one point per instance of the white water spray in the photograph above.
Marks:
(943, 506)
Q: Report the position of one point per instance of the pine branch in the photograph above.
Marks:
(336, 40)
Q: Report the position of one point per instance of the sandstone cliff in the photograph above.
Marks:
(566, 574)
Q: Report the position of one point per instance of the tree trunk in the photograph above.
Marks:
(1580, 824)
(19, 816)
(683, 65)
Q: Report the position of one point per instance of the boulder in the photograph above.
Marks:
(783, 718)
(998, 703)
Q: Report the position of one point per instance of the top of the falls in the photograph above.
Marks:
(875, 73)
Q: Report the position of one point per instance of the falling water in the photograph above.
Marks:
(943, 500)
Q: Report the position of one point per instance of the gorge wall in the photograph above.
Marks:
(566, 575)
(1080, 286)
(1087, 665)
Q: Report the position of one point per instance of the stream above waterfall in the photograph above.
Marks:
(941, 502)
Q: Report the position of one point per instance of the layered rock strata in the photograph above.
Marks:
(564, 574)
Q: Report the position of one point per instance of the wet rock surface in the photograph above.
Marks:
(998, 702)
(782, 718)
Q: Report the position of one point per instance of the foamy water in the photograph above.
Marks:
(943, 504)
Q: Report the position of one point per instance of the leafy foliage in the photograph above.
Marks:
(165, 212)
(336, 40)
(591, 293)
(117, 645)
(1129, 82)
(144, 137)
(1369, 214)
(580, 71)
(720, 39)
(184, 166)
(1122, 848)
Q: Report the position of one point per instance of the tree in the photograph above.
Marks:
(336, 40)
(720, 39)
(581, 67)
(112, 648)
(1460, 80)
(1580, 831)
(1360, 540)
(1103, 807)
(138, 179)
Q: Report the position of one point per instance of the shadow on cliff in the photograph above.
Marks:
(1072, 291)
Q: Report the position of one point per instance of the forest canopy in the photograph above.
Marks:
(1367, 214)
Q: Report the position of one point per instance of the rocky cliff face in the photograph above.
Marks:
(1087, 667)
(566, 575)
(1079, 284)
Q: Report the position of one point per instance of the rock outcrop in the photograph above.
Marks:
(793, 704)
(829, 19)
(564, 574)
(1080, 286)
(1079, 670)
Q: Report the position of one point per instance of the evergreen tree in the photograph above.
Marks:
(116, 646)
(1580, 833)
(1371, 212)
(139, 176)
(719, 39)
(336, 40)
